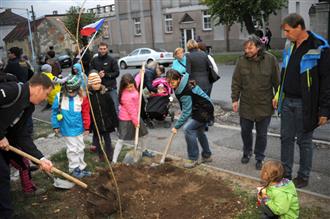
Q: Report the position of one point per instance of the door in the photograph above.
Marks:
(188, 34)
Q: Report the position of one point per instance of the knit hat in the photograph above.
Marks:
(73, 84)
(46, 68)
(94, 78)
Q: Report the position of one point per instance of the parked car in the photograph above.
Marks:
(65, 60)
(138, 56)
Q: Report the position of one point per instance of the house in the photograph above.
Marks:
(47, 31)
(8, 21)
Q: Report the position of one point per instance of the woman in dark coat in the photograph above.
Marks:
(198, 67)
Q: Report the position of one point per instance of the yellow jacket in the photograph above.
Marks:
(57, 88)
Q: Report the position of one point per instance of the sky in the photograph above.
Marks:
(42, 7)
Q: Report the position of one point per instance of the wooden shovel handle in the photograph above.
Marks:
(167, 147)
(55, 170)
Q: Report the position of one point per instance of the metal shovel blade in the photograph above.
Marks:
(133, 156)
(62, 184)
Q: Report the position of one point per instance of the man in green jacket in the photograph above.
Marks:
(254, 82)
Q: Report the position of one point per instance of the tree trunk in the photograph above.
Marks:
(227, 38)
(248, 23)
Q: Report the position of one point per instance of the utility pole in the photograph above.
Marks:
(36, 38)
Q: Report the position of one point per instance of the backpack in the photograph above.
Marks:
(7, 82)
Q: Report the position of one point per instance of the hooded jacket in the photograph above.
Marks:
(314, 81)
(110, 67)
(57, 88)
(282, 199)
(80, 74)
(194, 102)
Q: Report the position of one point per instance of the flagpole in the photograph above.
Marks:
(90, 42)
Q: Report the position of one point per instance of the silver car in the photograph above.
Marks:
(138, 56)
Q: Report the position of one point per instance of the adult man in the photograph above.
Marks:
(18, 66)
(14, 131)
(108, 70)
(304, 94)
(254, 81)
(53, 61)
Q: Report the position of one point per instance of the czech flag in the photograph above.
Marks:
(89, 29)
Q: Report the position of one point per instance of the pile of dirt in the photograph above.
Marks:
(164, 191)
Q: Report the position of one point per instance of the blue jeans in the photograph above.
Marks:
(194, 130)
(292, 126)
(261, 137)
(114, 96)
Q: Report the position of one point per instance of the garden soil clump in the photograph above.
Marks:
(165, 191)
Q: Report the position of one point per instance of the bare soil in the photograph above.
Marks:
(164, 191)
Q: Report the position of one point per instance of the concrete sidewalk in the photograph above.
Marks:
(226, 147)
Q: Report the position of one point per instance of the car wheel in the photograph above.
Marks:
(123, 65)
(149, 60)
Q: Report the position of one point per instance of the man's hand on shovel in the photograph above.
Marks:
(46, 165)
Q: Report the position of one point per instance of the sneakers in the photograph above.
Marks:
(258, 164)
(81, 173)
(190, 164)
(149, 123)
(147, 153)
(245, 159)
(38, 191)
(206, 159)
(300, 182)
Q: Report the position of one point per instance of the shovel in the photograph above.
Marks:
(169, 143)
(58, 182)
(136, 155)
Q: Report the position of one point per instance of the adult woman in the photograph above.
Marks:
(180, 61)
(198, 66)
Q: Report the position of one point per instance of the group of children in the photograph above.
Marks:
(72, 117)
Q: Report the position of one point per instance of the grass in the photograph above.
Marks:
(230, 59)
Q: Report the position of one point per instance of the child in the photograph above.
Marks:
(197, 110)
(70, 116)
(278, 198)
(47, 70)
(104, 113)
(128, 114)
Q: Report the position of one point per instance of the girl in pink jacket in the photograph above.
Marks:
(128, 113)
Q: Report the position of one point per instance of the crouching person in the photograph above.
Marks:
(197, 110)
(70, 116)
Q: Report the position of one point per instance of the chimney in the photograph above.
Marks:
(55, 12)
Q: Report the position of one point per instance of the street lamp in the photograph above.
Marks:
(30, 32)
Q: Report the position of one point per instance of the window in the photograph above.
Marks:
(134, 53)
(206, 21)
(168, 23)
(137, 26)
(144, 51)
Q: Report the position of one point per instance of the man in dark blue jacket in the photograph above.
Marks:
(303, 97)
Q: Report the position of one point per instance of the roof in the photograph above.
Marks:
(22, 30)
(8, 18)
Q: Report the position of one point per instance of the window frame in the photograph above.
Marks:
(137, 26)
(208, 17)
(167, 22)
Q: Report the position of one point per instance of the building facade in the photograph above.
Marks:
(169, 24)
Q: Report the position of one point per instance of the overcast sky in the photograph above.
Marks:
(42, 7)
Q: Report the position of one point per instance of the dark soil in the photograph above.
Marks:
(164, 191)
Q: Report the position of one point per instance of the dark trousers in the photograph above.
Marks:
(266, 212)
(107, 144)
(6, 209)
(261, 137)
